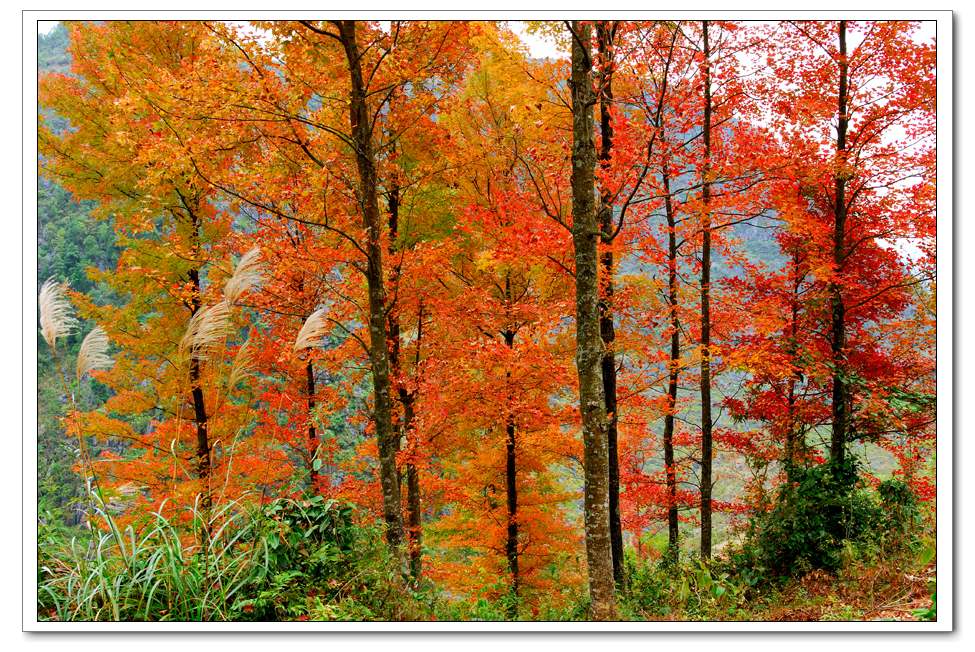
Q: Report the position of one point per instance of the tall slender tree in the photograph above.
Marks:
(589, 345)
(605, 37)
(707, 424)
(839, 436)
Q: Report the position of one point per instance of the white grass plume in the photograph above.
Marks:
(56, 318)
(312, 331)
(207, 329)
(93, 353)
(242, 367)
(247, 274)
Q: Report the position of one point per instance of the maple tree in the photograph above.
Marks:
(658, 60)
(857, 149)
(179, 367)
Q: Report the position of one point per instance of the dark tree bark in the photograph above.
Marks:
(202, 436)
(794, 443)
(414, 514)
(312, 435)
(511, 484)
(707, 453)
(841, 396)
(413, 507)
(362, 128)
(673, 368)
(604, 40)
(589, 345)
(403, 429)
(673, 526)
(203, 460)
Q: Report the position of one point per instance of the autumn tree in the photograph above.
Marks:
(668, 76)
(589, 346)
(179, 367)
(856, 113)
(501, 294)
(347, 147)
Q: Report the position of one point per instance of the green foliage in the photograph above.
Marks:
(484, 607)
(903, 401)
(901, 513)
(295, 559)
(929, 613)
(813, 518)
(70, 241)
(310, 545)
(735, 586)
(59, 488)
(649, 587)
(691, 589)
(576, 609)
(925, 557)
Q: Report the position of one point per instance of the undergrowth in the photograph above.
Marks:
(829, 549)
(293, 559)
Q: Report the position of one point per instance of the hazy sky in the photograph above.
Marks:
(538, 46)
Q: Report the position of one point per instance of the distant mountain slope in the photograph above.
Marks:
(52, 50)
(69, 241)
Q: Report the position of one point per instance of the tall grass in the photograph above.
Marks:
(153, 573)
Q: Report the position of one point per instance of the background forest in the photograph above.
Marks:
(397, 320)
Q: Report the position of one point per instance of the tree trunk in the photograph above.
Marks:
(511, 486)
(203, 461)
(673, 531)
(202, 437)
(793, 444)
(361, 125)
(839, 437)
(413, 514)
(407, 399)
(607, 330)
(589, 346)
(707, 453)
(312, 435)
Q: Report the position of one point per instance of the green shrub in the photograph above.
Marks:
(928, 613)
(901, 514)
(811, 521)
(649, 586)
(323, 566)
(307, 542)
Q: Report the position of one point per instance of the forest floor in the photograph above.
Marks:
(886, 589)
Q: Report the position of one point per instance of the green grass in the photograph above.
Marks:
(153, 574)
